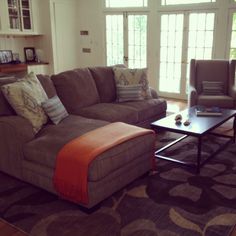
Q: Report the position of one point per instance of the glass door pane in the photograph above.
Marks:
(200, 38)
(114, 39)
(137, 41)
(126, 40)
(233, 38)
(171, 52)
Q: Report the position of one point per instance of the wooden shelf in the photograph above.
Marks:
(21, 67)
(12, 68)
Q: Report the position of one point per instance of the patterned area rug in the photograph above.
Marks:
(173, 201)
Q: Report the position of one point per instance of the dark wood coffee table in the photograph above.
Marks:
(199, 127)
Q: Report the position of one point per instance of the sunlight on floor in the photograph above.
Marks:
(175, 106)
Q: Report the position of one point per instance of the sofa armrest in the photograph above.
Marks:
(153, 93)
(192, 96)
(15, 132)
(22, 128)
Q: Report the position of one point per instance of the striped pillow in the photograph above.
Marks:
(212, 88)
(54, 108)
(129, 93)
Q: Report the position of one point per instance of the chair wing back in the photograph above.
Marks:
(212, 70)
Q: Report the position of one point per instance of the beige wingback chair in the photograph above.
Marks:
(212, 83)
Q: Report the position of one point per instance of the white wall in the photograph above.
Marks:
(64, 34)
(90, 17)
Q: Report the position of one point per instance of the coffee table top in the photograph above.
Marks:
(199, 124)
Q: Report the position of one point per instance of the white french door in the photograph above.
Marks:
(126, 39)
(183, 36)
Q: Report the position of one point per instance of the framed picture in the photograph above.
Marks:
(6, 56)
(30, 55)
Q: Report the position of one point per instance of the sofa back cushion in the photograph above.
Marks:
(47, 85)
(76, 89)
(5, 107)
(105, 82)
(212, 71)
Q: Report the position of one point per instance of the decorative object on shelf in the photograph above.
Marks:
(16, 58)
(6, 56)
(30, 55)
(208, 111)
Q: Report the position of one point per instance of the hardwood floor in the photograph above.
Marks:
(7, 229)
(175, 106)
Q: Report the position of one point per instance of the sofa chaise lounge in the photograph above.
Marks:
(89, 95)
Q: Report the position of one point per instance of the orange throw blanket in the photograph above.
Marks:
(72, 164)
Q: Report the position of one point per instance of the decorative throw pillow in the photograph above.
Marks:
(55, 109)
(25, 96)
(129, 93)
(212, 88)
(124, 76)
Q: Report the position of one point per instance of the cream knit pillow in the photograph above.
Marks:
(25, 97)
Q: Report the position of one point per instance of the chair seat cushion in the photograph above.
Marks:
(222, 101)
(43, 149)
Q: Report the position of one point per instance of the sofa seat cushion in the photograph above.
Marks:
(120, 155)
(111, 112)
(148, 108)
(222, 101)
(76, 89)
(43, 150)
(47, 143)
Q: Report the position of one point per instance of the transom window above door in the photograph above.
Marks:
(126, 3)
(176, 2)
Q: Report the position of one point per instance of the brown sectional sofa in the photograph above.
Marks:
(89, 95)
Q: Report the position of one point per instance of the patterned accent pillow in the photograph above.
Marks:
(125, 76)
(55, 109)
(25, 96)
(214, 88)
(129, 93)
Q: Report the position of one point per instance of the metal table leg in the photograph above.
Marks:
(199, 150)
(234, 127)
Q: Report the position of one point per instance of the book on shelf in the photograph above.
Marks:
(208, 111)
